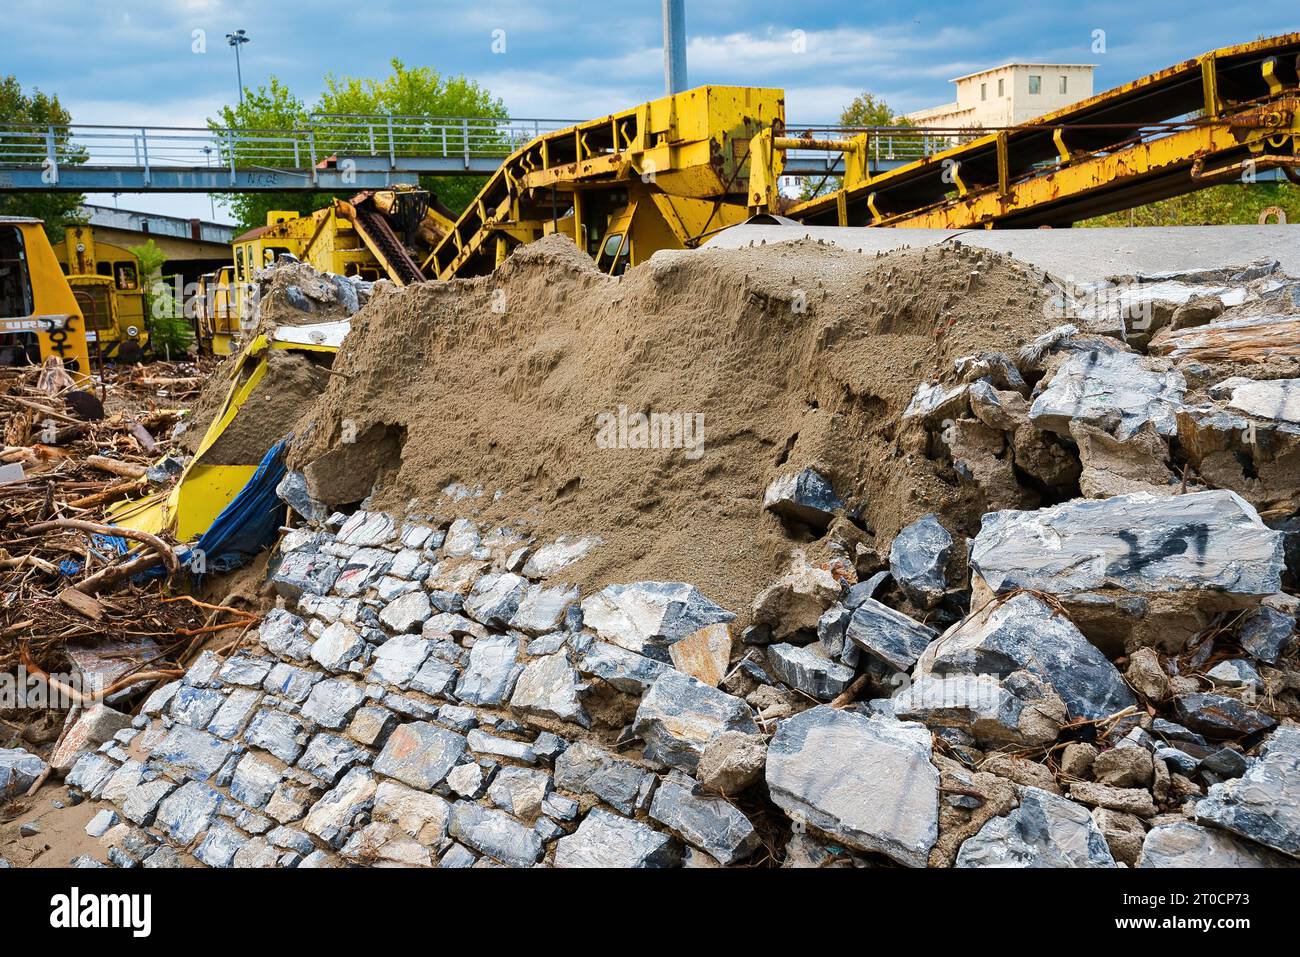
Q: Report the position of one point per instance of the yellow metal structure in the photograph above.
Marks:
(356, 237)
(663, 175)
(203, 490)
(39, 315)
(1230, 114)
(106, 280)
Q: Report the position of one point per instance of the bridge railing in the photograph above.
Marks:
(324, 136)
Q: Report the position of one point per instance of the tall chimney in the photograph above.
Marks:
(674, 46)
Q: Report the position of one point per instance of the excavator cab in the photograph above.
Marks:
(39, 315)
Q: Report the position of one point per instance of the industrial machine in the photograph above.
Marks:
(1228, 115)
(376, 234)
(106, 280)
(39, 314)
(663, 175)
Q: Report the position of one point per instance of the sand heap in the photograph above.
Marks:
(794, 355)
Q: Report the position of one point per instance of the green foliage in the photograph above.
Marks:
(867, 109)
(1235, 203)
(41, 109)
(415, 91)
(170, 333)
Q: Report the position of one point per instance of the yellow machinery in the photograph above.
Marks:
(39, 315)
(1226, 116)
(663, 175)
(372, 236)
(203, 490)
(106, 281)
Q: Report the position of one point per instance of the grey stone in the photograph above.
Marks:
(1115, 391)
(284, 635)
(1266, 632)
(888, 635)
(196, 706)
(462, 538)
(420, 754)
(245, 671)
(399, 659)
(549, 559)
(333, 702)
(303, 573)
(1235, 673)
(290, 682)
(865, 782)
(607, 840)
(586, 769)
(329, 756)
(1185, 844)
(19, 770)
(100, 824)
(422, 816)
(495, 834)
(918, 560)
(1226, 763)
(708, 822)
(367, 529)
(407, 613)
(648, 617)
(806, 497)
(625, 670)
(193, 753)
(679, 714)
(490, 675)
(550, 687)
(805, 670)
(331, 818)
(1209, 546)
(281, 734)
(1023, 633)
(337, 646)
(933, 403)
(188, 811)
(542, 609)
(1263, 805)
(467, 780)
(142, 803)
(1044, 831)
(1219, 715)
(520, 791)
(255, 780)
(160, 699)
(435, 678)
(480, 742)
(1020, 710)
(234, 712)
(495, 599)
(218, 848)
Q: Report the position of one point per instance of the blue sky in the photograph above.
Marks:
(132, 62)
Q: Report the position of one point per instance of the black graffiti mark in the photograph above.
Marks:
(1175, 542)
(59, 337)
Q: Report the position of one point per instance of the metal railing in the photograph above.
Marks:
(888, 146)
(322, 137)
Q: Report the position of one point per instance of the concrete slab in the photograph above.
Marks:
(1079, 255)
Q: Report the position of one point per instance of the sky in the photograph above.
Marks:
(149, 63)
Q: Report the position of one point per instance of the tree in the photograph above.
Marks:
(414, 91)
(269, 109)
(19, 109)
(423, 92)
(866, 110)
(170, 333)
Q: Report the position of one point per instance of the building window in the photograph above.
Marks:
(1064, 85)
(984, 91)
(1035, 84)
(1001, 87)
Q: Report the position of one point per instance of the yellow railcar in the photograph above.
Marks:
(106, 280)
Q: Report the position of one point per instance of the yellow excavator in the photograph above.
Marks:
(39, 315)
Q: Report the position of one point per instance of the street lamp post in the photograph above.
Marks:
(236, 40)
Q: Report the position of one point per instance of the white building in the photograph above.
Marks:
(1009, 95)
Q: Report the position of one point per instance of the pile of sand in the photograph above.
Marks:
(795, 355)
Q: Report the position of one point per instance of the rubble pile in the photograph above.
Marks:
(1069, 642)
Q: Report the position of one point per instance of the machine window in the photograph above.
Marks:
(15, 283)
(124, 275)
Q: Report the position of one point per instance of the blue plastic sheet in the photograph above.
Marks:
(248, 524)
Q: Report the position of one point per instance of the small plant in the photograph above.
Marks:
(170, 332)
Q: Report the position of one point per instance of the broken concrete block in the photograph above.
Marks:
(1114, 391)
(918, 560)
(797, 600)
(805, 497)
(1185, 844)
(1183, 556)
(607, 840)
(648, 617)
(805, 670)
(92, 729)
(888, 635)
(679, 714)
(865, 782)
(1044, 831)
(1264, 804)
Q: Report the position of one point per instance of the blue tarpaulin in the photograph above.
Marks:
(248, 524)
